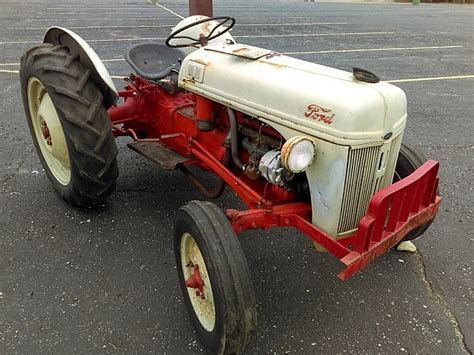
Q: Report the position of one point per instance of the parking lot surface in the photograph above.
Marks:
(104, 280)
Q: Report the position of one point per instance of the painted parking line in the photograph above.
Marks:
(117, 8)
(115, 12)
(289, 24)
(114, 60)
(132, 7)
(239, 36)
(111, 60)
(356, 50)
(372, 50)
(154, 18)
(170, 11)
(10, 71)
(394, 81)
(436, 78)
(97, 27)
(101, 19)
(288, 35)
(95, 8)
(167, 26)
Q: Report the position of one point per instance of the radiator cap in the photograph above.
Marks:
(365, 75)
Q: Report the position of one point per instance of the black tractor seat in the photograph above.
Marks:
(154, 61)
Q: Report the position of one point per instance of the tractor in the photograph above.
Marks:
(302, 145)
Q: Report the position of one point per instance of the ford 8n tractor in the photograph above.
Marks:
(303, 145)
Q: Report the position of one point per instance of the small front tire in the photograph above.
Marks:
(214, 278)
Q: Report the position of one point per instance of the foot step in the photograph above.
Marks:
(166, 158)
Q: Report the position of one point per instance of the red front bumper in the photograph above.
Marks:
(393, 213)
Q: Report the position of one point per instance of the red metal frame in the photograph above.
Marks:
(393, 213)
(149, 113)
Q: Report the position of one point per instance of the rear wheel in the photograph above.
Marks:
(409, 159)
(69, 125)
(214, 277)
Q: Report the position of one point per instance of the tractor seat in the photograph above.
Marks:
(154, 61)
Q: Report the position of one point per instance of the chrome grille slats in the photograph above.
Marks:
(358, 186)
(363, 179)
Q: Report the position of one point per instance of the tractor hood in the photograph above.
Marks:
(306, 97)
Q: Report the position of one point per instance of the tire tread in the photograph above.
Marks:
(227, 255)
(79, 104)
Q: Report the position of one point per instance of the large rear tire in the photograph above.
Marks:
(214, 278)
(409, 159)
(69, 125)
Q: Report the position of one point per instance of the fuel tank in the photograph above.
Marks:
(320, 101)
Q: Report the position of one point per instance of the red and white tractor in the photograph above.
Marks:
(303, 145)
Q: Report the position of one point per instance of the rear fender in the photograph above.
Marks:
(88, 57)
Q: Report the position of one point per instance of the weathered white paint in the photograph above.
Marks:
(278, 90)
(59, 35)
(281, 89)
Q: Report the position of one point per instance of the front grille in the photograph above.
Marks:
(368, 170)
(358, 187)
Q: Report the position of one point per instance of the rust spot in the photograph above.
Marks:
(272, 54)
(279, 66)
(276, 65)
(288, 146)
(188, 80)
(205, 27)
(241, 50)
(200, 61)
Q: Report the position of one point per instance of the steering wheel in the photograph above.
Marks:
(203, 39)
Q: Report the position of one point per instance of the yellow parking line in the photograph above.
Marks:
(102, 19)
(8, 71)
(171, 25)
(114, 60)
(373, 50)
(316, 34)
(435, 78)
(240, 36)
(456, 77)
(315, 52)
(240, 24)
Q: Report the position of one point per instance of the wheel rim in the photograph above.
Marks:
(201, 295)
(48, 131)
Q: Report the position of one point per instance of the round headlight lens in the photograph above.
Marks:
(297, 154)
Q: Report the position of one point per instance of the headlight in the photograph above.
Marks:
(297, 154)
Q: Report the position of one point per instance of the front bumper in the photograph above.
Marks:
(393, 213)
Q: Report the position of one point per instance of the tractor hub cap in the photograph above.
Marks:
(198, 282)
(46, 134)
(48, 131)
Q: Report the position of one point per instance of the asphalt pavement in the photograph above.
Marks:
(104, 280)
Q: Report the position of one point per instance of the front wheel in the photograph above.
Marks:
(214, 278)
(69, 124)
(409, 159)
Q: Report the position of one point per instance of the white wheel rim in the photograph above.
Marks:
(48, 131)
(204, 308)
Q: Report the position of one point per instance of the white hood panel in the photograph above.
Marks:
(307, 97)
